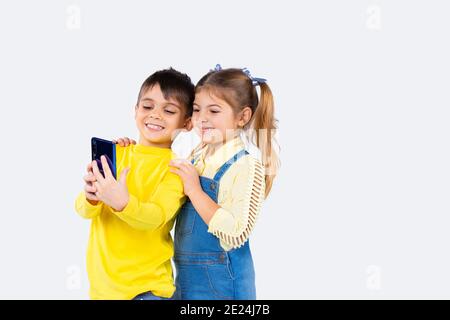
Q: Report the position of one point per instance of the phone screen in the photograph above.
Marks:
(101, 147)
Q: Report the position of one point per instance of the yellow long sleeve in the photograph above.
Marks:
(129, 252)
(162, 207)
(85, 209)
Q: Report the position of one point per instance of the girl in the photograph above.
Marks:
(225, 186)
(212, 253)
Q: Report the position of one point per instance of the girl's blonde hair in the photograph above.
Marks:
(238, 89)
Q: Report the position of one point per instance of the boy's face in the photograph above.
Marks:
(159, 119)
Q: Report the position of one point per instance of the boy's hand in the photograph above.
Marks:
(89, 188)
(124, 142)
(111, 192)
(188, 174)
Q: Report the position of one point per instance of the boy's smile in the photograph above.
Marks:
(154, 127)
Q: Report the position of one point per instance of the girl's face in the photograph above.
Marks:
(214, 119)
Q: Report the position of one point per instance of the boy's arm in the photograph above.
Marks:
(86, 209)
(164, 204)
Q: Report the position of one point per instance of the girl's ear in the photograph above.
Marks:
(135, 111)
(245, 116)
(188, 124)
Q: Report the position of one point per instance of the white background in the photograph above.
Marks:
(360, 208)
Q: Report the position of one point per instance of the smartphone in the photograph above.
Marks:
(101, 147)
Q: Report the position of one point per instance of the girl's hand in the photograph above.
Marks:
(89, 188)
(124, 142)
(188, 174)
(111, 192)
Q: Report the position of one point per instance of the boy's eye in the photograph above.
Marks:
(215, 111)
(147, 107)
(170, 111)
(196, 110)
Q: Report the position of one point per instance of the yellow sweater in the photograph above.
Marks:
(129, 252)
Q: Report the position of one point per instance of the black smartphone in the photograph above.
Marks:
(101, 147)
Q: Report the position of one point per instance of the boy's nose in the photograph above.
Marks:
(155, 115)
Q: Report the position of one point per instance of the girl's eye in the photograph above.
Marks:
(215, 111)
(170, 111)
(147, 107)
(196, 110)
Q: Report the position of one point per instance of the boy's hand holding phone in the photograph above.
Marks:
(107, 189)
(89, 188)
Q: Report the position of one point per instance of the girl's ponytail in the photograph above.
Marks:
(264, 125)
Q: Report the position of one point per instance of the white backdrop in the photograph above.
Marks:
(360, 208)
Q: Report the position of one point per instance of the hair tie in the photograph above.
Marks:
(217, 68)
(255, 81)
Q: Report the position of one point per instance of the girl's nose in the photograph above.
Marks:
(202, 117)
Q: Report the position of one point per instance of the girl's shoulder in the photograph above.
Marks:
(248, 161)
(245, 179)
(248, 167)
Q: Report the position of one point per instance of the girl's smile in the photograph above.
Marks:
(206, 129)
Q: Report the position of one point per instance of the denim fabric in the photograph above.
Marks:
(149, 296)
(204, 270)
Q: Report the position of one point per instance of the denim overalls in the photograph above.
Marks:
(204, 270)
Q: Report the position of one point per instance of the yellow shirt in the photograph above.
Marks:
(129, 252)
(241, 191)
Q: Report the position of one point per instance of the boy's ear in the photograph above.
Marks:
(135, 111)
(188, 124)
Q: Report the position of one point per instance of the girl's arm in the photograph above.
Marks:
(204, 205)
(241, 194)
(234, 219)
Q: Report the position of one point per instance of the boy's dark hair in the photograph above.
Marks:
(174, 85)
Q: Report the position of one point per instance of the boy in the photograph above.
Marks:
(130, 245)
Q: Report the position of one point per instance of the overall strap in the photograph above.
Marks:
(228, 164)
(194, 159)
